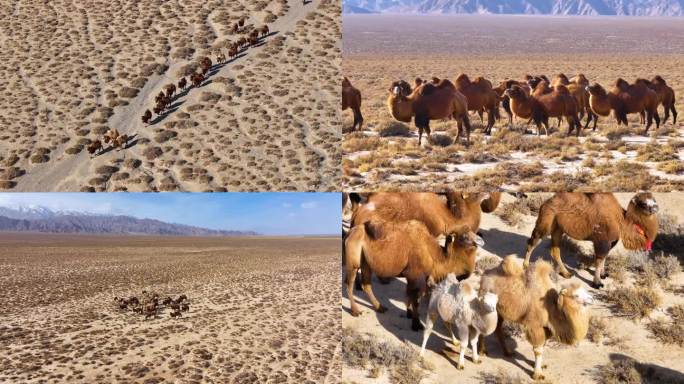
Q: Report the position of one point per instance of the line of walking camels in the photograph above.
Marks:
(164, 100)
(535, 99)
(433, 240)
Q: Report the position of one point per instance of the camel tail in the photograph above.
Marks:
(511, 267)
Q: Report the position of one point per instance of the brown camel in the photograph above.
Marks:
(522, 103)
(595, 217)
(505, 99)
(481, 97)
(182, 84)
(197, 79)
(531, 299)
(264, 31)
(559, 102)
(120, 142)
(146, 117)
(95, 148)
(170, 90)
(428, 102)
(407, 249)
(666, 96)
(351, 98)
(623, 100)
(579, 92)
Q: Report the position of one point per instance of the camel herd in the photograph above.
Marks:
(111, 137)
(432, 240)
(150, 304)
(534, 99)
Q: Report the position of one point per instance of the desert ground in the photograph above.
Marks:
(262, 310)
(616, 334)
(267, 119)
(381, 49)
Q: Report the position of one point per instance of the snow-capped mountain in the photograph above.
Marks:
(41, 219)
(527, 7)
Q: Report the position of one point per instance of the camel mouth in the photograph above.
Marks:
(478, 241)
(396, 90)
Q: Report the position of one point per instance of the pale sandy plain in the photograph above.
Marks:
(262, 310)
(268, 120)
(566, 364)
(379, 49)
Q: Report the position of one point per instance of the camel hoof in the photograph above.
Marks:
(355, 313)
(417, 326)
(381, 309)
(538, 376)
(477, 361)
(507, 352)
(460, 366)
(565, 274)
(596, 285)
(544, 366)
(604, 275)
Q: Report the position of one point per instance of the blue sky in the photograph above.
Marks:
(267, 213)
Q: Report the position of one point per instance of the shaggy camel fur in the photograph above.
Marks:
(595, 217)
(460, 209)
(428, 102)
(458, 304)
(505, 99)
(351, 98)
(623, 100)
(407, 249)
(480, 97)
(530, 299)
(666, 96)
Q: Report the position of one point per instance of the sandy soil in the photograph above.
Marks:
(267, 120)
(381, 49)
(262, 310)
(565, 364)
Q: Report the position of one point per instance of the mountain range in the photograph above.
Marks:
(41, 219)
(523, 7)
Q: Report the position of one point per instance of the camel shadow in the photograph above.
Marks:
(171, 109)
(648, 372)
(306, 2)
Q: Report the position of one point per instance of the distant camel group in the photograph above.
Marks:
(534, 99)
(167, 95)
(113, 138)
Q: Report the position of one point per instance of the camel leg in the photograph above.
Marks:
(532, 243)
(463, 336)
(538, 375)
(490, 122)
(649, 121)
(656, 117)
(595, 122)
(473, 345)
(601, 249)
(666, 113)
(358, 119)
(502, 337)
(454, 341)
(556, 237)
(366, 274)
(429, 323)
(413, 293)
(481, 114)
(466, 125)
(642, 118)
(674, 114)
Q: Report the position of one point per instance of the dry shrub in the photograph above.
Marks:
(361, 144)
(128, 92)
(502, 376)
(616, 132)
(632, 302)
(598, 328)
(669, 332)
(623, 369)
(106, 170)
(656, 152)
(165, 136)
(392, 128)
(402, 361)
(512, 213)
(440, 140)
(152, 153)
(486, 262)
(671, 167)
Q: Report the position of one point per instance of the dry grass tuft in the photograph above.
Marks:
(632, 302)
(503, 377)
(512, 213)
(392, 128)
(669, 332)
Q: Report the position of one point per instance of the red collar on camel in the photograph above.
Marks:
(649, 243)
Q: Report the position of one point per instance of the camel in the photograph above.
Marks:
(460, 209)
(624, 99)
(457, 303)
(182, 84)
(253, 40)
(428, 102)
(559, 102)
(351, 98)
(595, 217)
(160, 96)
(220, 57)
(111, 135)
(408, 249)
(205, 65)
(522, 103)
(170, 90)
(233, 51)
(146, 117)
(264, 31)
(531, 299)
(666, 96)
(120, 142)
(176, 314)
(481, 97)
(505, 99)
(197, 79)
(185, 307)
(577, 89)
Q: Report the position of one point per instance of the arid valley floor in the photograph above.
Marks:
(265, 120)
(262, 310)
(380, 49)
(614, 332)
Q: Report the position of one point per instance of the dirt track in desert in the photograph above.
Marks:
(262, 310)
(265, 120)
(380, 49)
(586, 363)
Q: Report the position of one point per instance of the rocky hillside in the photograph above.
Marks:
(525, 7)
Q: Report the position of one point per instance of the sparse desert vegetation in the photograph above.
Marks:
(263, 118)
(259, 309)
(634, 326)
(379, 50)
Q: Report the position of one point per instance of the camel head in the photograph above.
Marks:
(533, 82)
(346, 82)
(515, 92)
(400, 88)
(644, 202)
(596, 89)
(580, 79)
(563, 79)
(658, 80)
(461, 238)
(418, 82)
(576, 293)
(462, 80)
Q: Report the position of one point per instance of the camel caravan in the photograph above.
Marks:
(111, 137)
(534, 99)
(151, 305)
(432, 240)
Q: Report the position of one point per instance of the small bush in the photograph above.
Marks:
(633, 302)
(392, 128)
(128, 92)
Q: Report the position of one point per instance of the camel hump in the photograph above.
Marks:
(658, 79)
(427, 89)
(511, 267)
(560, 88)
(621, 83)
(462, 79)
